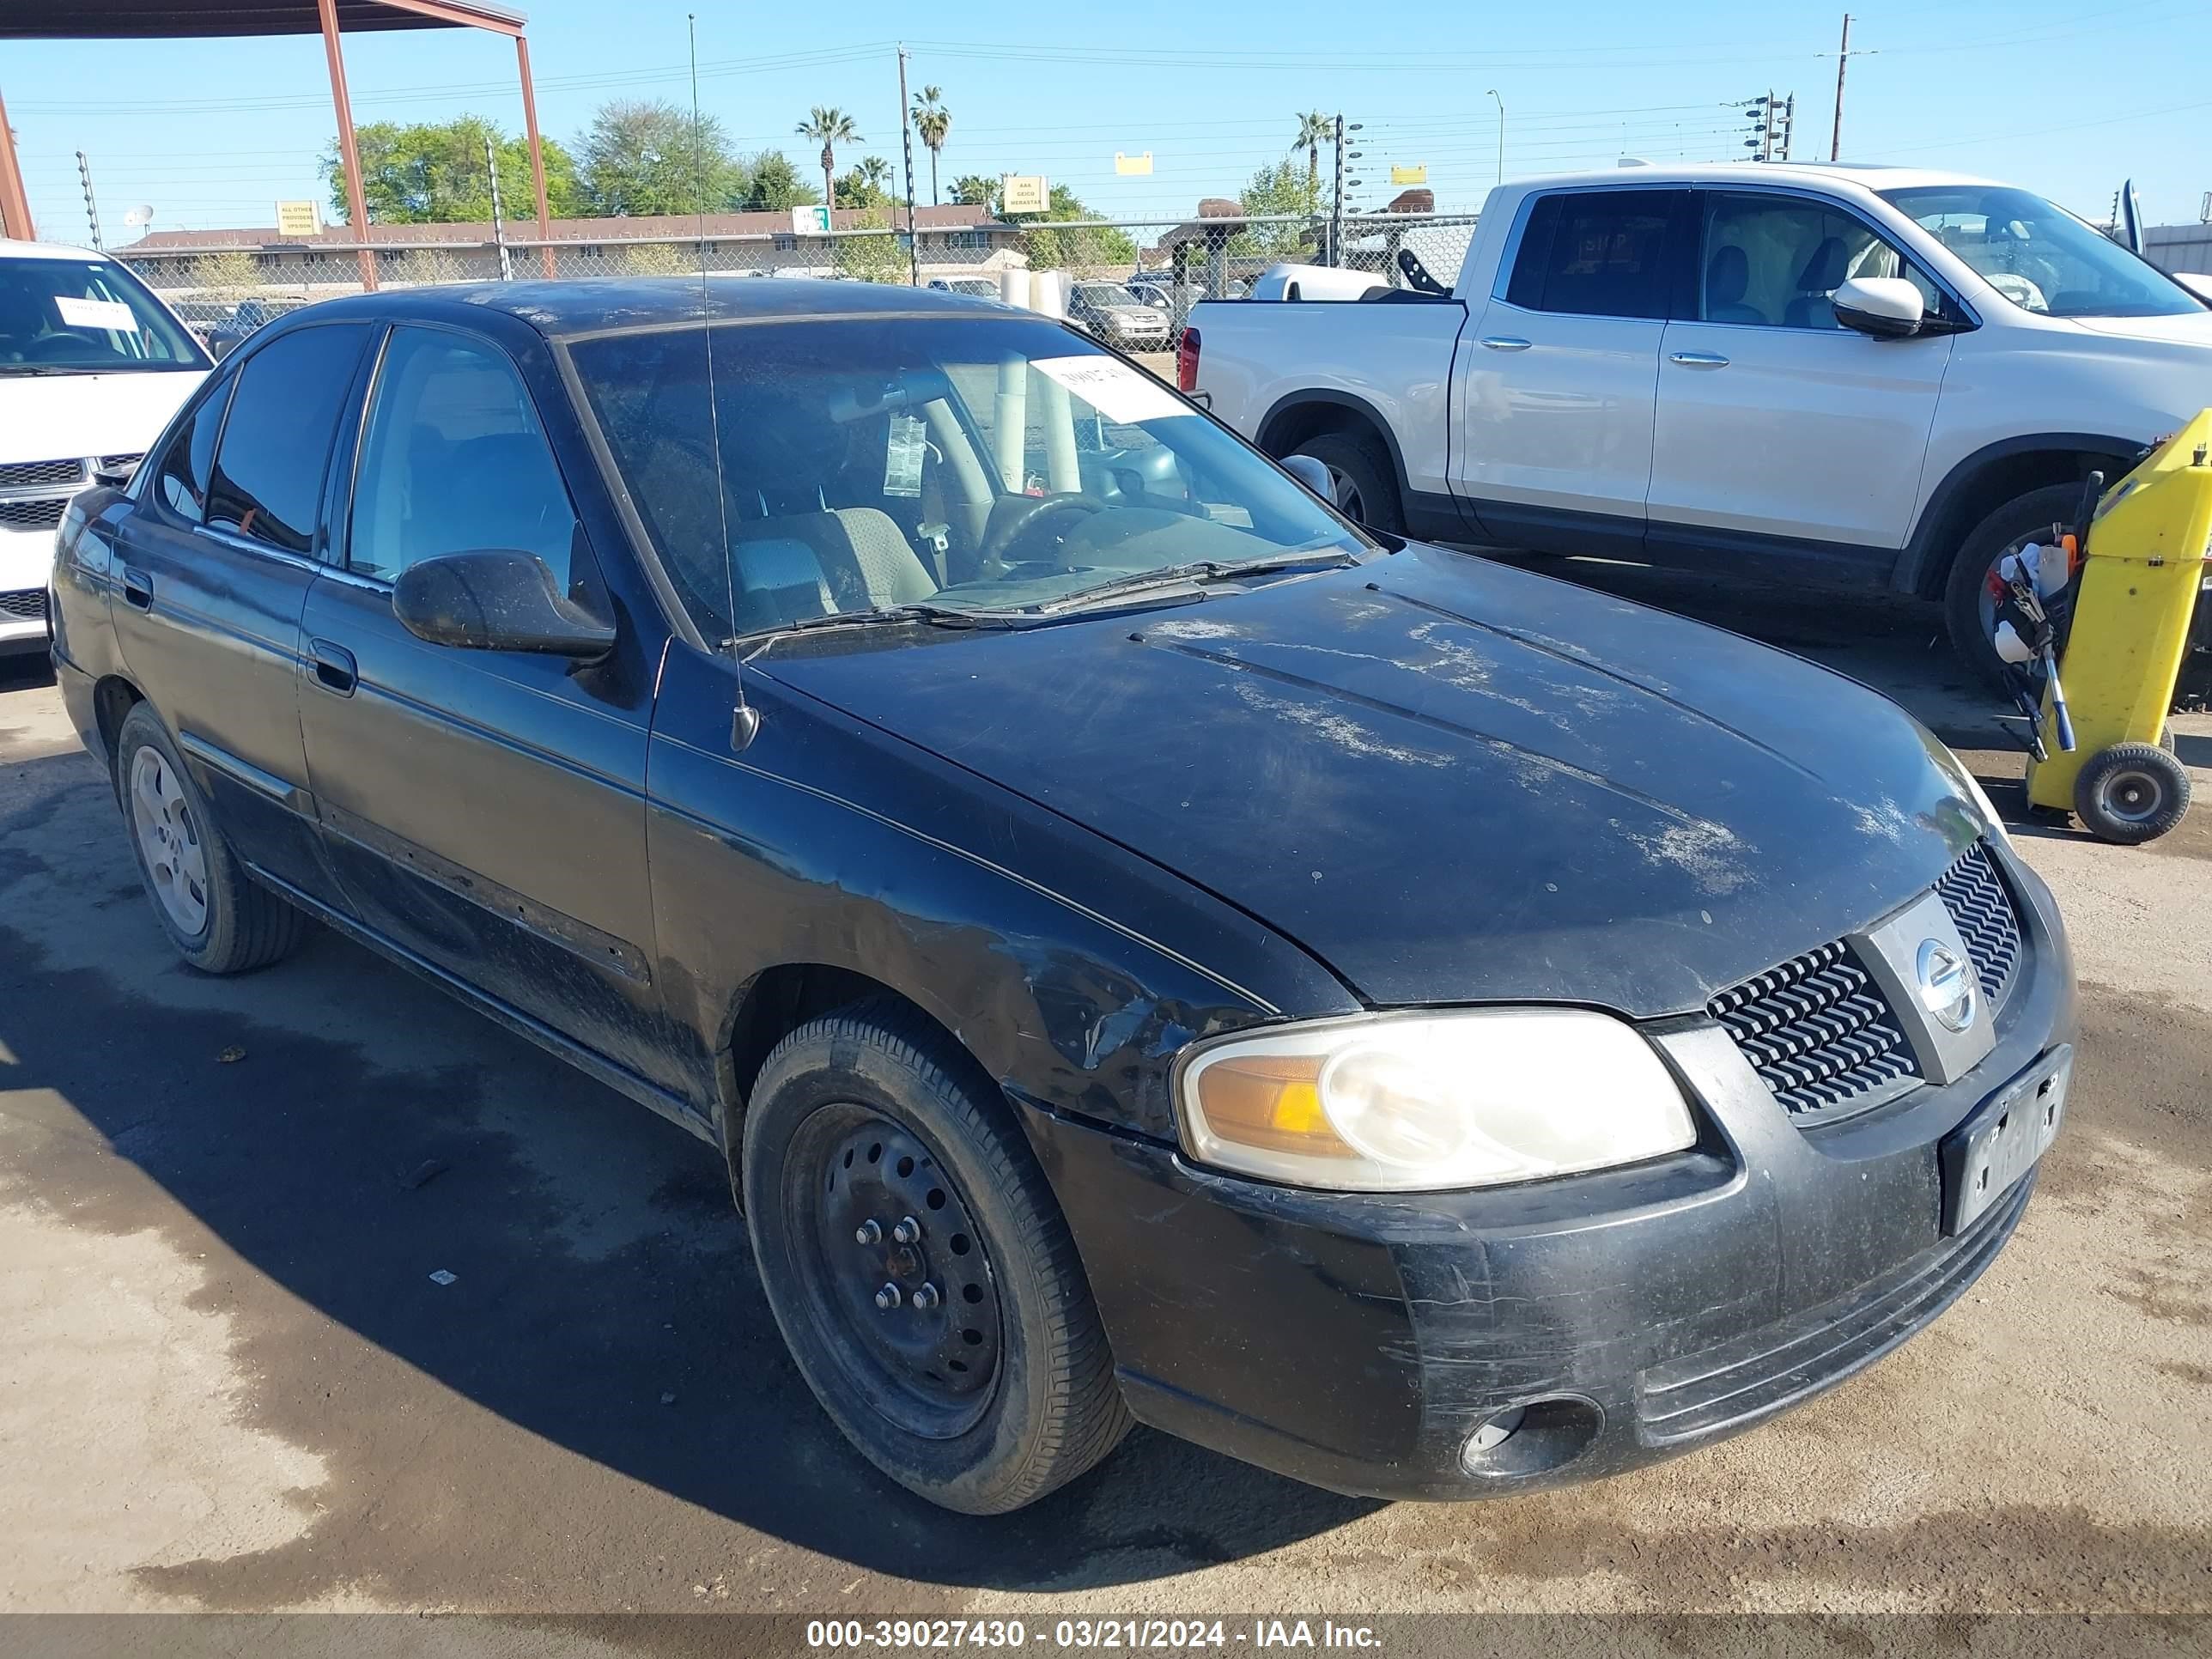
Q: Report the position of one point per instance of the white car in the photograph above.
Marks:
(92, 367)
(1867, 375)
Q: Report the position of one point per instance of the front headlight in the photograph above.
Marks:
(1414, 1103)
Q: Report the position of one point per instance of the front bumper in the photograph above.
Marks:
(1359, 1341)
(27, 557)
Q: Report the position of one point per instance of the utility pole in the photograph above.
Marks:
(906, 143)
(91, 207)
(1501, 135)
(1843, 62)
(1788, 127)
(1336, 200)
(498, 220)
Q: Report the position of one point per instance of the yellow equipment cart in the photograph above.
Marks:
(2142, 561)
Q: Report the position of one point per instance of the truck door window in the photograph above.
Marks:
(267, 481)
(1596, 253)
(1772, 260)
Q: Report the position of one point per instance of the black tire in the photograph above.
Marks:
(2024, 518)
(1366, 485)
(2130, 793)
(244, 925)
(1050, 1409)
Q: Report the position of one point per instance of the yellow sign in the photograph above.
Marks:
(1024, 192)
(1125, 165)
(1416, 174)
(297, 221)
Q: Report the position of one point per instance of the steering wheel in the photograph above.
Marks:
(1011, 524)
(61, 345)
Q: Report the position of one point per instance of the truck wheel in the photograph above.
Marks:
(1969, 612)
(220, 919)
(1361, 483)
(2130, 793)
(919, 1269)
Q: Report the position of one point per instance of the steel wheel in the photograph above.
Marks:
(897, 1267)
(169, 838)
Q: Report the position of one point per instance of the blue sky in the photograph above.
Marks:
(2067, 99)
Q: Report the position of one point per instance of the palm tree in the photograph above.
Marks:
(875, 174)
(933, 122)
(1314, 130)
(830, 128)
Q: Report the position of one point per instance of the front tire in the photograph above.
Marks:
(1969, 614)
(221, 920)
(1362, 484)
(919, 1268)
(2130, 793)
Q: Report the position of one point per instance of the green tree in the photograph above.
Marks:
(828, 128)
(973, 189)
(231, 273)
(644, 157)
(934, 123)
(867, 185)
(1280, 187)
(775, 184)
(1070, 245)
(876, 257)
(432, 172)
(1315, 130)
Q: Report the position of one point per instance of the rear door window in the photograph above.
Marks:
(267, 481)
(1598, 254)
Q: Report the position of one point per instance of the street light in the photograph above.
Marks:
(1492, 92)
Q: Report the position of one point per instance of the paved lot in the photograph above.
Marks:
(227, 1381)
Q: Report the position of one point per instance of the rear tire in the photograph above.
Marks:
(220, 919)
(866, 1117)
(2130, 793)
(1967, 611)
(1362, 480)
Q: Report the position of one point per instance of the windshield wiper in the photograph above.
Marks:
(937, 615)
(1327, 552)
(49, 368)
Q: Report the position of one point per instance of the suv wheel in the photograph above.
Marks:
(1969, 612)
(1361, 484)
(220, 920)
(919, 1269)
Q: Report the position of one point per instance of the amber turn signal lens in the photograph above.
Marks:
(1272, 1102)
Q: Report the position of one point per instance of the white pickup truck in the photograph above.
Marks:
(1864, 376)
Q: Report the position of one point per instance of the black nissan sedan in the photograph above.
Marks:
(1145, 948)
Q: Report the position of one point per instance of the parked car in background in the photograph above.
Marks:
(1859, 375)
(92, 366)
(976, 287)
(227, 336)
(1053, 904)
(1111, 312)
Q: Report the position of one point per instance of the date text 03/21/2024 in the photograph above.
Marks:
(1258, 1635)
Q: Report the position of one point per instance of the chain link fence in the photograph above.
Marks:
(1132, 283)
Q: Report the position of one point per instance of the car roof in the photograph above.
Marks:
(13, 250)
(1863, 175)
(602, 304)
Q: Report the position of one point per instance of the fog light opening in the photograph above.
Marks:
(1531, 1438)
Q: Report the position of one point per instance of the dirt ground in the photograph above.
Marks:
(229, 1382)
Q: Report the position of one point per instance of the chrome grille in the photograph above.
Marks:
(30, 475)
(1982, 911)
(1817, 1031)
(28, 605)
(39, 513)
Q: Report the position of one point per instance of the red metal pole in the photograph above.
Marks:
(15, 205)
(536, 155)
(349, 154)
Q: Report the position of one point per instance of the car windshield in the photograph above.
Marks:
(979, 463)
(2040, 257)
(1108, 294)
(65, 316)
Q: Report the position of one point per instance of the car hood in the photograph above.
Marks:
(1449, 780)
(51, 418)
(2185, 328)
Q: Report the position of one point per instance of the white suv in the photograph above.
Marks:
(92, 366)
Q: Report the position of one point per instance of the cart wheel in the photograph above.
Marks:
(2130, 793)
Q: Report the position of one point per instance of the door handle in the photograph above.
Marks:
(1700, 360)
(335, 668)
(138, 587)
(1504, 343)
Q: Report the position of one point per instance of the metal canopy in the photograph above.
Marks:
(141, 19)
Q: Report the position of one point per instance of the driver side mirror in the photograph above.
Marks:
(497, 600)
(1312, 474)
(1887, 307)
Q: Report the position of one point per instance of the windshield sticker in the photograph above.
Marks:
(96, 313)
(910, 443)
(1122, 394)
